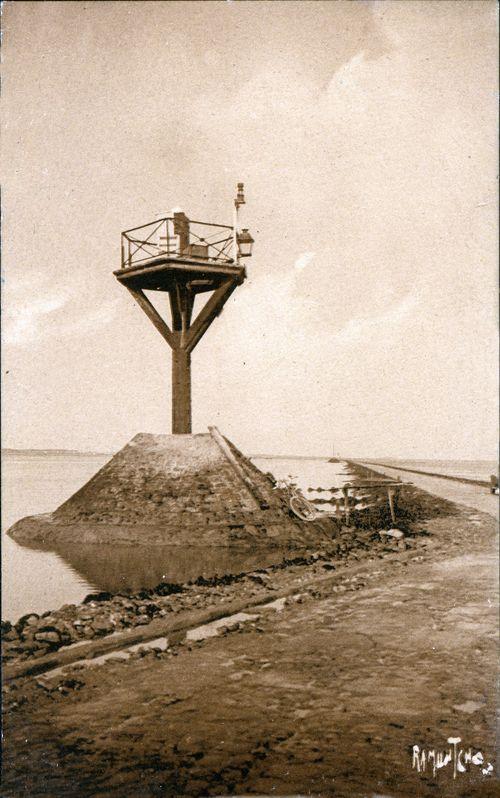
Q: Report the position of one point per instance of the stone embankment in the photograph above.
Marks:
(175, 490)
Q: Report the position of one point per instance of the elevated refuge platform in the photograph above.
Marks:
(175, 490)
(183, 258)
(164, 273)
(177, 251)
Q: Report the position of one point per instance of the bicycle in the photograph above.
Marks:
(298, 504)
(307, 511)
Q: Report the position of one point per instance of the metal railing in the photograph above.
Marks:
(207, 241)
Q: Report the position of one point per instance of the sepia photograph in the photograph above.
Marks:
(249, 337)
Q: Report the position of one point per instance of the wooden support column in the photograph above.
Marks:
(181, 391)
(184, 336)
(181, 305)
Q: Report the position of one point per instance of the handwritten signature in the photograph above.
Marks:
(422, 759)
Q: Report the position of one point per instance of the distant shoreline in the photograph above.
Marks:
(389, 462)
(288, 457)
(44, 452)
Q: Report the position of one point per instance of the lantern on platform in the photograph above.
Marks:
(245, 243)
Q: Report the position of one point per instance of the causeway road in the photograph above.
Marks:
(464, 493)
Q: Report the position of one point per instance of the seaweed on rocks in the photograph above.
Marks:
(168, 589)
(102, 596)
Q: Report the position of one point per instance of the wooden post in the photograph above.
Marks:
(345, 491)
(181, 391)
(391, 492)
(181, 228)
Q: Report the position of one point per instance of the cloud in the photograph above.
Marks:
(366, 327)
(39, 319)
(376, 95)
(89, 322)
(22, 323)
(303, 260)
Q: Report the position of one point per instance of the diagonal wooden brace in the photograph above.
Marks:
(208, 313)
(183, 339)
(153, 315)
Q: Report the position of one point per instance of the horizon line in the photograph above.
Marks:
(261, 456)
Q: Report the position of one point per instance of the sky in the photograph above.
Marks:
(366, 136)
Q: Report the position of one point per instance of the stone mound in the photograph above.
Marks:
(176, 490)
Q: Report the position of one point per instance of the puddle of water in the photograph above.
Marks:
(49, 676)
(159, 642)
(278, 605)
(124, 653)
(469, 707)
(212, 629)
(109, 636)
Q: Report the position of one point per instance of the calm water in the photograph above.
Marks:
(37, 579)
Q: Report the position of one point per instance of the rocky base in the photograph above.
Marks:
(178, 490)
(249, 533)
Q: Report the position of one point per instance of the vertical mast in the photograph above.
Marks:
(240, 200)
